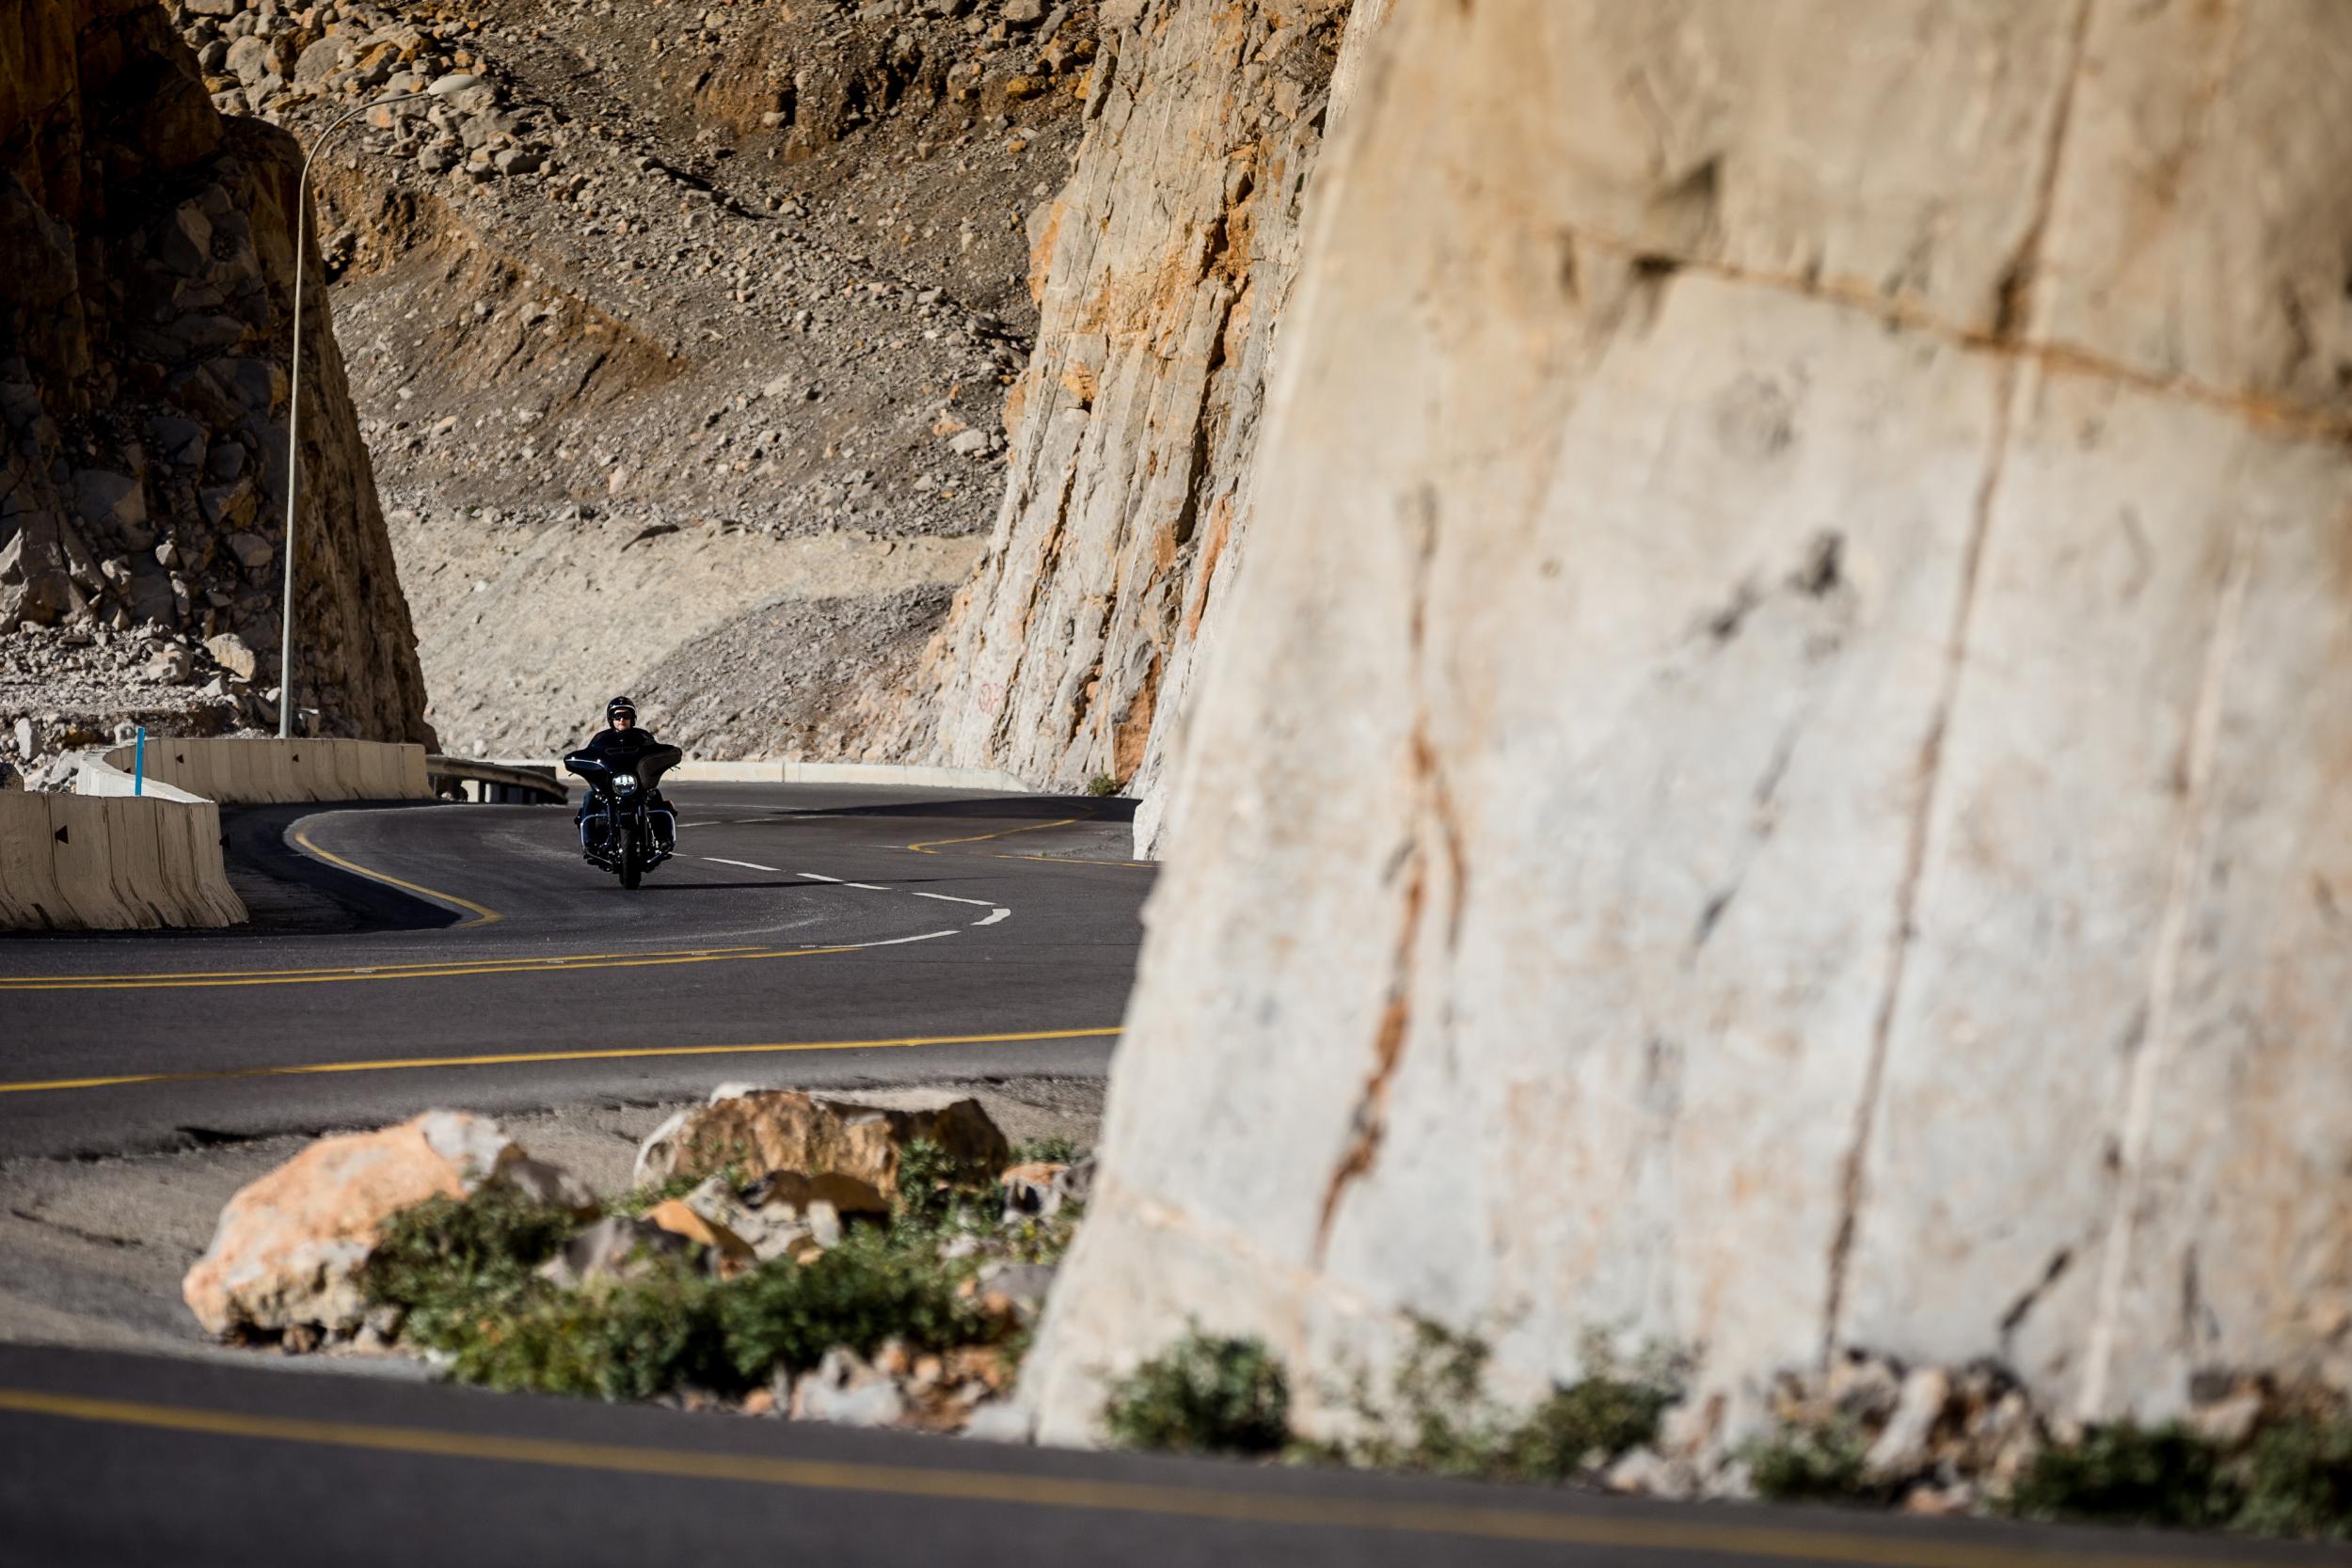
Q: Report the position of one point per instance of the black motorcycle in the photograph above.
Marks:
(626, 826)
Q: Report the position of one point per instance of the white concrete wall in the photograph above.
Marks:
(240, 772)
(102, 861)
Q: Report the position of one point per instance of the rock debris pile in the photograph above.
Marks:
(873, 1259)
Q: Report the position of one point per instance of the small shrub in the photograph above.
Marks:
(1053, 1149)
(1204, 1394)
(1809, 1462)
(1437, 1417)
(445, 1257)
(1101, 783)
(630, 1341)
(638, 1200)
(2164, 1475)
(934, 1186)
(859, 1294)
(2299, 1478)
(1594, 1420)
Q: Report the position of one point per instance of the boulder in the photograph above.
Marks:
(854, 1142)
(730, 1253)
(1031, 1189)
(288, 1247)
(778, 1216)
(845, 1389)
(248, 59)
(230, 653)
(187, 241)
(614, 1247)
(109, 500)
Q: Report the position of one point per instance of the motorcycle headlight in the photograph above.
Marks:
(625, 783)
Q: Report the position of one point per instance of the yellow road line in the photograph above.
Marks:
(435, 971)
(927, 846)
(1476, 1521)
(511, 1058)
(22, 982)
(483, 915)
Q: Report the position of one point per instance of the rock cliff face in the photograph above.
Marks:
(680, 340)
(1778, 778)
(1162, 268)
(143, 382)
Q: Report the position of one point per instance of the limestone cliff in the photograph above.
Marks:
(1777, 779)
(143, 358)
(1162, 269)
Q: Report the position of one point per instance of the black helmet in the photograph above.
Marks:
(617, 707)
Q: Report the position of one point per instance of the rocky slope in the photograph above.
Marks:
(1780, 785)
(143, 384)
(682, 341)
(1164, 266)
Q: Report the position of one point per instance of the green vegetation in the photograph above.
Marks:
(2294, 1478)
(464, 1275)
(637, 1200)
(1804, 1464)
(940, 1197)
(1204, 1395)
(1101, 783)
(1437, 1417)
(1054, 1148)
(935, 1187)
(1228, 1395)
(445, 1263)
(871, 1288)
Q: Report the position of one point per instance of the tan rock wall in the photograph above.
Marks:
(1164, 266)
(143, 385)
(1777, 778)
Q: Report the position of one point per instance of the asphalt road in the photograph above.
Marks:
(108, 1459)
(857, 936)
(794, 917)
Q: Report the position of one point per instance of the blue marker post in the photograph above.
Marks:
(139, 764)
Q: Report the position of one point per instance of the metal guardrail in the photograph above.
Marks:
(495, 783)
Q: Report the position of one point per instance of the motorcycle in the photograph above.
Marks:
(623, 827)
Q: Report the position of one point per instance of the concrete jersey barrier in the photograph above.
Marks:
(282, 772)
(103, 860)
(787, 770)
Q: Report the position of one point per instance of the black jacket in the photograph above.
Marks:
(611, 749)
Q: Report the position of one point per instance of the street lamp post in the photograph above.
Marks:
(441, 89)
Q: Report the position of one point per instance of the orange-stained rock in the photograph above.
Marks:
(288, 1247)
(734, 1252)
(855, 1142)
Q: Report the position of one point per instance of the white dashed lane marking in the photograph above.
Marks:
(996, 911)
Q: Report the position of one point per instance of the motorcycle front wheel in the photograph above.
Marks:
(633, 860)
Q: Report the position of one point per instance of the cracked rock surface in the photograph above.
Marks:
(683, 328)
(144, 350)
(1780, 783)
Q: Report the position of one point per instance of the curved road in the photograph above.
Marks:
(514, 975)
(855, 935)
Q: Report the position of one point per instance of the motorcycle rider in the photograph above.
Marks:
(622, 746)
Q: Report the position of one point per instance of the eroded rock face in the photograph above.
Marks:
(143, 349)
(290, 1246)
(1780, 783)
(1162, 268)
(848, 1150)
